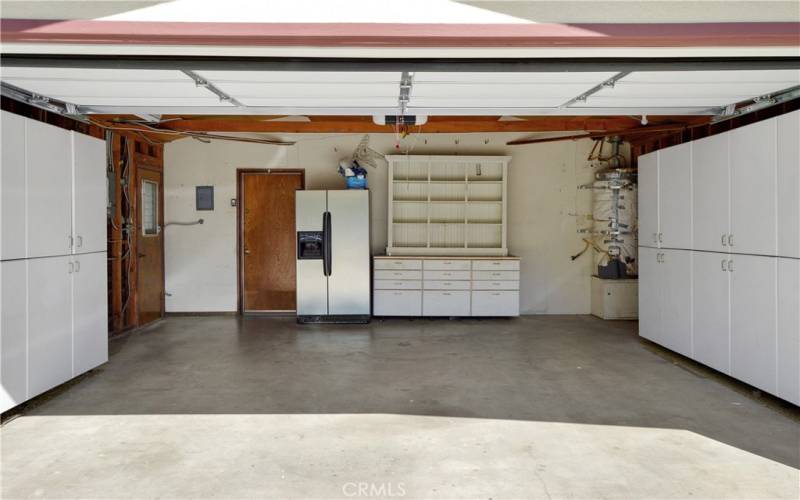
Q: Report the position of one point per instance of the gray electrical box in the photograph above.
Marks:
(204, 197)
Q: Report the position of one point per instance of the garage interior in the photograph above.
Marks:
(581, 274)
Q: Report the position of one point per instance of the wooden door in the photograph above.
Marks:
(150, 247)
(267, 249)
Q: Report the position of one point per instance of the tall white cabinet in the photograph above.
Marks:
(720, 252)
(53, 299)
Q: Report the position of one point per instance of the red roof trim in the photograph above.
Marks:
(401, 35)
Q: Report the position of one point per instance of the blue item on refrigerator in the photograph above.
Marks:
(356, 182)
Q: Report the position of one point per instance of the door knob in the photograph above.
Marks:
(246, 251)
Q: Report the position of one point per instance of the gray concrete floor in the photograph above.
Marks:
(535, 407)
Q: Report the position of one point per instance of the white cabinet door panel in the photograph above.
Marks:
(676, 305)
(711, 193)
(650, 294)
(13, 333)
(753, 189)
(495, 303)
(789, 185)
(789, 330)
(648, 200)
(49, 323)
(753, 320)
(711, 310)
(441, 303)
(12, 187)
(89, 219)
(398, 303)
(90, 312)
(675, 196)
(49, 191)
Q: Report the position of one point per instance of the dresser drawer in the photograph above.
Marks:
(495, 265)
(442, 303)
(444, 264)
(446, 285)
(397, 264)
(398, 275)
(397, 303)
(398, 285)
(496, 275)
(495, 285)
(495, 303)
(446, 275)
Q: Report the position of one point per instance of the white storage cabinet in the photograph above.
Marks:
(445, 286)
(53, 300)
(728, 295)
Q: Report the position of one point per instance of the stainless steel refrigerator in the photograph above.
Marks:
(333, 256)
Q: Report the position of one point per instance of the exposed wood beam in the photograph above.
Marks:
(364, 124)
(625, 133)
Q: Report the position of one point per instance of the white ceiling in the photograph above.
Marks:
(331, 92)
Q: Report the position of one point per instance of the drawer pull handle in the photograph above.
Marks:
(398, 293)
(446, 293)
(448, 274)
(398, 283)
(496, 284)
(495, 293)
(495, 263)
(495, 274)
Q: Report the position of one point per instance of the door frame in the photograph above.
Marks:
(240, 173)
(139, 236)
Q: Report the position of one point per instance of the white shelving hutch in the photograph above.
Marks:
(447, 205)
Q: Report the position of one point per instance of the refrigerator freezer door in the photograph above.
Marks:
(349, 282)
(312, 285)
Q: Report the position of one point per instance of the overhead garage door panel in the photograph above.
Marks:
(691, 88)
(306, 88)
(102, 87)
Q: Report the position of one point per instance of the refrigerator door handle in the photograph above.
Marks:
(326, 245)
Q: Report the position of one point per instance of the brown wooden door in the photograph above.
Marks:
(267, 259)
(150, 247)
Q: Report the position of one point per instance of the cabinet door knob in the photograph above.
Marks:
(660, 237)
(730, 240)
(723, 265)
(71, 267)
(724, 240)
(80, 241)
(730, 266)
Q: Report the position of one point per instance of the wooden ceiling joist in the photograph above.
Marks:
(365, 124)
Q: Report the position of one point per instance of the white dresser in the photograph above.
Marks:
(445, 286)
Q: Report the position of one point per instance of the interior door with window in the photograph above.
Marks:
(267, 225)
(150, 247)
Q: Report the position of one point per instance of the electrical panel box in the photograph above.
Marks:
(204, 197)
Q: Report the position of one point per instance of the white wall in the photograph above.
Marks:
(201, 260)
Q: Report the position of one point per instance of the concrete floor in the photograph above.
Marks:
(536, 407)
